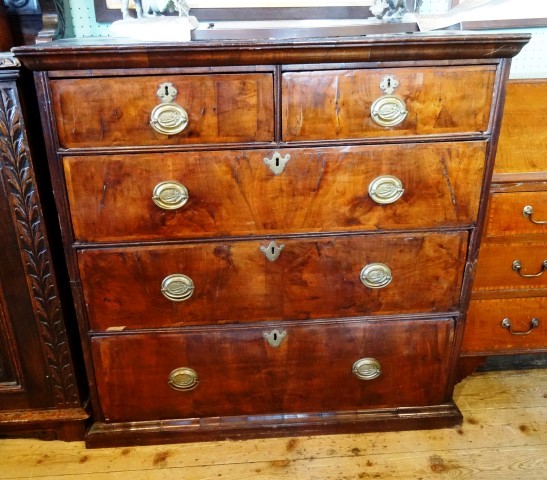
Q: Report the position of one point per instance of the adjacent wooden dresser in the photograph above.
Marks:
(509, 301)
(41, 392)
(269, 238)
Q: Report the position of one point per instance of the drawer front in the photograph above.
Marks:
(235, 371)
(235, 282)
(116, 111)
(237, 193)
(502, 326)
(338, 104)
(517, 214)
(497, 268)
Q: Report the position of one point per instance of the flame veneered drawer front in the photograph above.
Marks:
(119, 198)
(518, 266)
(506, 325)
(119, 111)
(351, 104)
(519, 213)
(237, 371)
(248, 281)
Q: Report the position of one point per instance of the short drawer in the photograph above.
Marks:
(234, 371)
(118, 111)
(506, 325)
(208, 283)
(340, 104)
(512, 266)
(230, 193)
(520, 213)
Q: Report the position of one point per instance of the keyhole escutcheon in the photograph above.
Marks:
(277, 162)
(272, 250)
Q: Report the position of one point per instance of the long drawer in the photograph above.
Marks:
(506, 325)
(244, 371)
(323, 277)
(515, 214)
(512, 265)
(224, 193)
(118, 111)
(339, 104)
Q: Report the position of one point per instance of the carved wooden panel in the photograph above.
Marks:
(20, 186)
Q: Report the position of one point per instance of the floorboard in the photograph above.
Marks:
(504, 436)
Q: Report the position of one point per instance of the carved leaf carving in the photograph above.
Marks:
(18, 177)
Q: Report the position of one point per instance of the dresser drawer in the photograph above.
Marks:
(506, 325)
(219, 193)
(236, 371)
(338, 104)
(235, 282)
(498, 268)
(117, 111)
(515, 214)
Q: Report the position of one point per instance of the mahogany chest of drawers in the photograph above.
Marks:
(509, 299)
(271, 238)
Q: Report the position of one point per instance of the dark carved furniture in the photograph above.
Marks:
(39, 392)
(274, 237)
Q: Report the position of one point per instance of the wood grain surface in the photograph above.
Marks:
(234, 282)
(241, 374)
(495, 267)
(521, 148)
(337, 104)
(116, 111)
(235, 193)
(484, 332)
(505, 217)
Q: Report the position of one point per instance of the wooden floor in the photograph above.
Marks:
(504, 436)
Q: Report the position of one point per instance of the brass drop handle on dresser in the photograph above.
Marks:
(528, 212)
(183, 379)
(506, 323)
(376, 275)
(517, 266)
(385, 189)
(168, 118)
(388, 110)
(367, 369)
(170, 195)
(177, 287)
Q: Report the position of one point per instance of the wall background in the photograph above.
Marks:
(530, 63)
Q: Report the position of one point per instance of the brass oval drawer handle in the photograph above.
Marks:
(388, 111)
(367, 369)
(528, 212)
(177, 287)
(170, 195)
(168, 117)
(183, 379)
(506, 323)
(517, 266)
(385, 189)
(376, 275)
